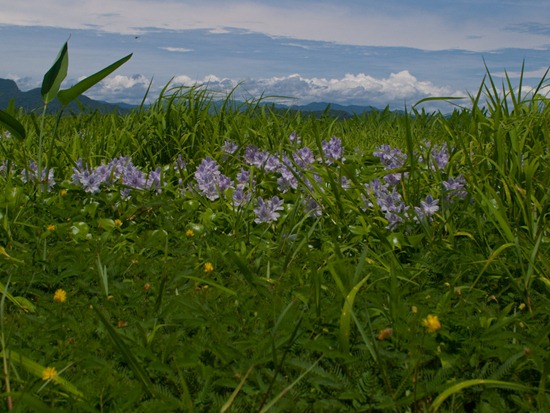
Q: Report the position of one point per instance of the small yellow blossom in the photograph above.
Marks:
(414, 309)
(118, 223)
(431, 323)
(208, 267)
(63, 193)
(190, 233)
(51, 228)
(49, 373)
(60, 296)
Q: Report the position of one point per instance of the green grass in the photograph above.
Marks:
(304, 313)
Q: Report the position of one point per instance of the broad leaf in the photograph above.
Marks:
(12, 125)
(68, 95)
(56, 75)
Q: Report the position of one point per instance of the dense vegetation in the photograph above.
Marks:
(249, 261)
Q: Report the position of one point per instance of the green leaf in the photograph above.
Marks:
(56, 74)
(12, 125)
(68, 95)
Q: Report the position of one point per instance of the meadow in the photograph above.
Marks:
(242, 259)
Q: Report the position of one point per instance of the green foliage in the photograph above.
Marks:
(178, 302)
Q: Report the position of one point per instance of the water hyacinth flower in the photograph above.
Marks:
(391, 159)
(427, 209)
(389, 202)
(240, 197)
(294, 138)
(440, 157)
(210, 181)
(230, 147)
(455, 187)
(312, 207)
(266, 211)
(255, 156)
(332, 150)
(31, 175)
(303, 157)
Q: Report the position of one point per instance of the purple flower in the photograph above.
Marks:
(266, 211)
(455, 187)
(440, 157)
(255, 156)
(332, 150)
(153, 180)
(427, 208)
(210, 180)
(240, 197)
(229, 147)
(31, 175)
(312, 207)
(391, 159)
(180, 163)
(294, 138)
(243, 177)
(303, 157)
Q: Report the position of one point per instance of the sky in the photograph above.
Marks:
(372, 53)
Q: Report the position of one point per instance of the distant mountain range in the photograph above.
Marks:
(31, 100)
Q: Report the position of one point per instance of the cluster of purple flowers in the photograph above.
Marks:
(290, 169)
(118, 171)
(391, 159)
(389, 200)
(31, 174)
(210, 181)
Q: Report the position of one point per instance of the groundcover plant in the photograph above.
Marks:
(191, 257)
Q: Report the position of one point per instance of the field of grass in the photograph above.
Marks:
(176, 259)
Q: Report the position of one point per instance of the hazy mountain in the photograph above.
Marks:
(31, 100)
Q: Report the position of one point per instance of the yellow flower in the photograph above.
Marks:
(63, 193)
(118, 223)
(60, 296)
(190, 233)
(51, 228)
(49, 373)
(208, 267)
(431, 323)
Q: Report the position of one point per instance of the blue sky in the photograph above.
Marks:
(344, 51)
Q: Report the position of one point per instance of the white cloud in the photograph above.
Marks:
(396, 90)
(120, 88)
(177, 49)
(395, 23)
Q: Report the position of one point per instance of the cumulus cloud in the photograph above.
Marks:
(120, 88)
(361, 89)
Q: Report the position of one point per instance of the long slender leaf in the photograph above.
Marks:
(439, 400)
(57, 73)
(68, 95)
(12, 125)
